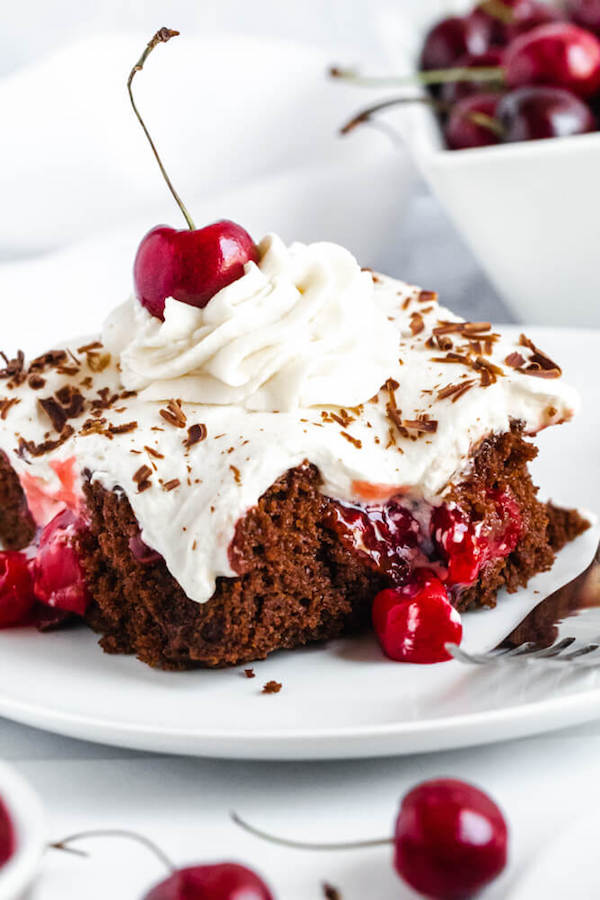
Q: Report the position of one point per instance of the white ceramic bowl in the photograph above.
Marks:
(25, 810)
(530, 211)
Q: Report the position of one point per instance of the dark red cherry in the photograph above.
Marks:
(7, 835)
(450, 840)
(540, 111)
(451, 38)
(16, 589)
(560, 54)
(58, 577)
(415, 622)
(190, 265)
(509, 18)
(453, 91)
(585, 13)
(224, 881)
(463, 129)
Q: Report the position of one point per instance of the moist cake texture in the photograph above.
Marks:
(247, 476)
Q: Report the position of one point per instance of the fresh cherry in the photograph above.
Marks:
(16, 589)
(559, 54)
(451, 38)
(190, 265)
(540, 111)
(453, 91)
(58, 577)
(415, 622)
(509, 18)
(450, 839)
(7, 835)
(472, 122)
(585, 13)
(223, 881)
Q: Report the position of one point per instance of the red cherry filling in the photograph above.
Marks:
(415, 622)
(7, 836)
(225, 881)
(386, 537)
(450, 839)
(467, 545)
(141, 551)
(57, 574)
(16, 589)
(190, 265)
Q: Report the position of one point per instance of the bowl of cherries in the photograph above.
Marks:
(22, 836)
(505, 128)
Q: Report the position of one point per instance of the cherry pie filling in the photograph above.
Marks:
(429, 554)
(400, 538)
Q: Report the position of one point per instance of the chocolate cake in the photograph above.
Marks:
(210, 486)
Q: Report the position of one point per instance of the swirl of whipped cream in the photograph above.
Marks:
(301, 328)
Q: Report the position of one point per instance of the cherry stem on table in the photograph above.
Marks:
(306, 845)
(113, 833)
(161, 37)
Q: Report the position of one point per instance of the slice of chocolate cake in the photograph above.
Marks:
(206, 485)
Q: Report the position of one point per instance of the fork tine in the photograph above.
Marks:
(521, 650)
(554, 650)
(583, 651)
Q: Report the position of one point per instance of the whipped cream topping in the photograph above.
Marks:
(191, 469)
(302, 328)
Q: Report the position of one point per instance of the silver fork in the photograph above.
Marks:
(563, 628)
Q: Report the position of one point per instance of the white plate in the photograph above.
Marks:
(344, 699)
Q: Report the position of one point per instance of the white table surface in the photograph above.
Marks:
(544, 784)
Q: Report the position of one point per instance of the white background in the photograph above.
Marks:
(32, 27)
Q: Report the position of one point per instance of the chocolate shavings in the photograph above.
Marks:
(174, 414)
(196, 434)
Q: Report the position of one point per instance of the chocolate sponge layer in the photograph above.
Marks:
(299, 583)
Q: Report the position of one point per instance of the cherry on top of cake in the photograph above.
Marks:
(191, 264)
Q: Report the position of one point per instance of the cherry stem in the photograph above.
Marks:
(161, 37)
(479, 118)
(498, 10)
(365, 114)
(113, 833)
(305, 845)
(430, 76)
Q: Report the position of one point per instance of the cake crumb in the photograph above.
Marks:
(249, 673)
(272, 687)
(330, 892)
